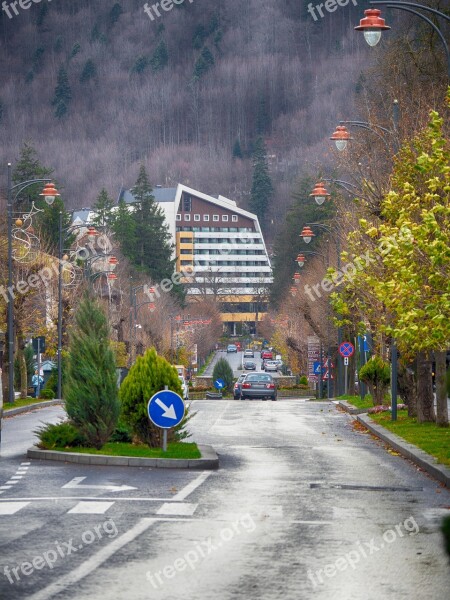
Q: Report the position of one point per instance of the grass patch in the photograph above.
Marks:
(429, 437)
(356, 401)
(174, 450)
(22, 402)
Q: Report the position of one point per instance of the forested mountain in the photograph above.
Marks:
(99, 88)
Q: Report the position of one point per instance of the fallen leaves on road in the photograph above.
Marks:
(357, 426)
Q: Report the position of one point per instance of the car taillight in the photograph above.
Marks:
(246, 385)
(270, 386)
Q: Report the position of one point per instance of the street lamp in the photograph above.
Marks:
(307, 234)
(320, 193)
(13, 193)
(341, 136)
(372, 25)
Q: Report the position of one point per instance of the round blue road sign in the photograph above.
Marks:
(219, 384)
(166, 409)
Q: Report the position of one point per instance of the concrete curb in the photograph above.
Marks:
(24, 409)
(416, 455)
(209, 459)
(352, 410)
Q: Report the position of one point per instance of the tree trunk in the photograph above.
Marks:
(441, 389)
(22, 367)
(407, 388)
(425, 399)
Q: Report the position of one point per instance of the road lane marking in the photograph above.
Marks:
(26, 464)
(59, 498)
(76, 482)
(17, 477)
(179, 509)
(5, 487)
(312, 522)
(11, 482)
(10, 508)
(93, 563)
(90, 508)
(187, 490)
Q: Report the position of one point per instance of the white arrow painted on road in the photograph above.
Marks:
(76, 483)
(169, 412)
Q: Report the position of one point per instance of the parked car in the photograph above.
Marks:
(184, 387)
(237, 386)
(270, 365)
(231, 348)
(259, 385)
(249, 365)
(249, 354)
(266, 354)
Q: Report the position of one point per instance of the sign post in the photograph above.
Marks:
(346, 349)
(166, 410)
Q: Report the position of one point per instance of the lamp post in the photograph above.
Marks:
(372, 25)
(2, 348)
(49, 194)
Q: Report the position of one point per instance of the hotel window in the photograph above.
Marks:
(187, 203)
(224, 217)
(187, 217)
(206, 217)
(178, 217)
(196, 217)
(215, 217)
(234, 218)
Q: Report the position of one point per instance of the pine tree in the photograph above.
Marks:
(160, 57)
(153, 252)
(26, 169)
(63, 94)
(89, 71)
(124, 228)
(222, 370)
(150, 374)
(115, 13)
(262, 188)
(103, 209)
(204, 63)
(237, 150)
(91, 383)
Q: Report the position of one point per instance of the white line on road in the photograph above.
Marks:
(179, 509)
(11, 482)
(17, 477)
(10, 508)
(90, 508)
(93, 562)
(119, 499)
(312, 522)
(184, 493)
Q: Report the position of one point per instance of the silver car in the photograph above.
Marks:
(270, 365)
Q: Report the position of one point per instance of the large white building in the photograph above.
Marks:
(221, 251)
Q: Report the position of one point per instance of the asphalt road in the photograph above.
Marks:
(235, 359)
(303, 507)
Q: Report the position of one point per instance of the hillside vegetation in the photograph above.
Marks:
(99, 87)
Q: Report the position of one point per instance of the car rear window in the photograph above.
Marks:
(265, 378)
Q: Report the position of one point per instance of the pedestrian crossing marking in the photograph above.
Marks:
(178, 509)
(10, 508)
(90, 508)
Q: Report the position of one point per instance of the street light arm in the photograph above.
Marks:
(409, 7)
(370, 127)
(23, 185)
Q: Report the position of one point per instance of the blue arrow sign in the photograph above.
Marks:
(316, 368)
(166, 409)
(219, 384)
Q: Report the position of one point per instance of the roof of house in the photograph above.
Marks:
(159, 193)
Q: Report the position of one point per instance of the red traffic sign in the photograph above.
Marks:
(346, 349)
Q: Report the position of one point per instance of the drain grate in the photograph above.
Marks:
(364, 488)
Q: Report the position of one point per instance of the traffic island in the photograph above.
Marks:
(424, 460)
(208, 461)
